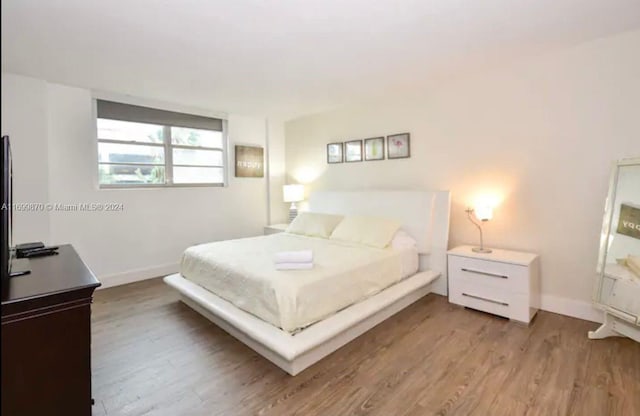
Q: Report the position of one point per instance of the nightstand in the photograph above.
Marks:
(275, 228)
(505, 283)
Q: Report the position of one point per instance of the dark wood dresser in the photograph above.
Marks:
(46, 338)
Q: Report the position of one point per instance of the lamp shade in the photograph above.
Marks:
(484, 212)
(293, 193)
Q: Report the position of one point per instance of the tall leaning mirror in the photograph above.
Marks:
(617, 288)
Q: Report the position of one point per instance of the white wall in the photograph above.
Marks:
(278, 210)
(147, 238)
(24, 118)
(538, 137)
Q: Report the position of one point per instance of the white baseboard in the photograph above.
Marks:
(571, 307)
(137, 275)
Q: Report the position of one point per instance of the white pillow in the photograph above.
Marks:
(314, 224)
(402, 241)
(370, 231)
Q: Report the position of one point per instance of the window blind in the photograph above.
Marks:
(135, 113)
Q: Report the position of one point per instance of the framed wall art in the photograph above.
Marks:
(353, 151)
(334, 153)
(629, 220)
(374, 148)
(249, 161)
(398, 146)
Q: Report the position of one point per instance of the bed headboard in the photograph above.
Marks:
(423, 214)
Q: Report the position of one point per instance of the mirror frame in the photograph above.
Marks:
(606, 226)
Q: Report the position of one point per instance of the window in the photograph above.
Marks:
(140, 146)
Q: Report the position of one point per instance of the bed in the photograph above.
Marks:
(242, 272)
(296, 318)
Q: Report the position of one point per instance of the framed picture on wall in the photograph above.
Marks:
(629, 221)
(398, 146)
(334, 153)
(249, 161)
(353, 151)
(374, 148)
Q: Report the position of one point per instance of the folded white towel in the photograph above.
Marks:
(294, 266)
(302, 256)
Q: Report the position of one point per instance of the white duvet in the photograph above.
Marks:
(243, 273)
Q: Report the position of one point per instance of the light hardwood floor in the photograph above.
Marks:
(152, 355)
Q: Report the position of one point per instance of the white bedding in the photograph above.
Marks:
(243, 273)
(618, 271)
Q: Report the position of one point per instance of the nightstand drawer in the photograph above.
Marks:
(491, 303)
(500, 276)
(498, 302)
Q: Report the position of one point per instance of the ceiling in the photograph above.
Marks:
(286, 57)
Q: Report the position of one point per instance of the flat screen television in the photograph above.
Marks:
(7, 193)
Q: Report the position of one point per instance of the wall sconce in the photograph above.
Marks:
(293, 194)
(483, 213)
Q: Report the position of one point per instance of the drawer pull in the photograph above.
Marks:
(485, 299)
(501, 276)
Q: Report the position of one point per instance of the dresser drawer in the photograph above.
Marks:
(499, 276)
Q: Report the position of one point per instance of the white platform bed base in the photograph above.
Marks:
(294, 353)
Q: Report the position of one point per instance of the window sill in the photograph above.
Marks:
(163, 186)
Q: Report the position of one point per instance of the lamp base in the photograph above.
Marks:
(481, 250)
(293, 213)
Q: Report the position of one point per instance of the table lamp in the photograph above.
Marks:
(483, 214)
(293, 194)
